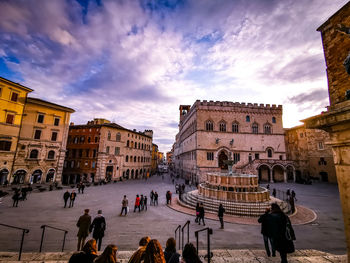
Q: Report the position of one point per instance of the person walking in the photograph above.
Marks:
(98, 227)
(83, 224)
(167, 196)
(141, 202)
(145, 202)
(15, 198)
(266, 232)
(73, 195)
(201, 214)
(155, 198)
(66, 196)
(125, 203)
(197, 213)
(221, 215)
(137, 203)
(151, 195)
(274, 192)
(82, 187)
(282, 233)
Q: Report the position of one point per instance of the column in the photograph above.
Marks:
(285, 175)
(270, 173)
(294, 175)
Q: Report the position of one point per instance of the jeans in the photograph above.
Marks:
(267, 248)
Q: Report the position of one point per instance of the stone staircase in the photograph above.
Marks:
(190, 200)
(220, 256)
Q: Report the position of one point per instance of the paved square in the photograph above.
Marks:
(326, 233)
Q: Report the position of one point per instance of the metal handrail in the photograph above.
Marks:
(178, 228)
(42, 235)
(188, 233)
(25, 231)
(209, 232)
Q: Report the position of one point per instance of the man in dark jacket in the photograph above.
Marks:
(99, 227)
(221, 215)
(66, 196)
(265, 231)
(83, 224)
(73, 195)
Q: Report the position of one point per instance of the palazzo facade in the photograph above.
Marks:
(252, 135)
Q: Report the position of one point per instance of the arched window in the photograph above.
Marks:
(134, 159)
(247, 118)
(109, 136)
(76, 139)
(51, 155)
(141, 159)
(138, 159)
(135, 145)
(269, 153)
(132, 144)
(222, 126)
(209, 126)
(34, 154)
(126, 158)
(267, 129)
(127, 143)
(273, 119)
(82, 139)
(118, 137)
(255, 128)
(139, 145)
(89, 139)
(142, 146)
(131, 158)
(235, 127)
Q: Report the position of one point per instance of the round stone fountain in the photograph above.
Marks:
(240, 194)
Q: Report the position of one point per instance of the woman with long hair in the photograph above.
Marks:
(154, 252)
(139, 254)
(88, 253)
(189, 254)
(109, 255)
(170, 254)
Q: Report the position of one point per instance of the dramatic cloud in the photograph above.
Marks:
(134, 62)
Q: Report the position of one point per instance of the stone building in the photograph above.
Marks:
(336, 120)
(154, 165)
(312, 156)
(249, 134)
(12, 100)
(42, 143)
(101, 150)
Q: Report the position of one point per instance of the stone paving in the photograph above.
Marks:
(219, 256)
(326, 233)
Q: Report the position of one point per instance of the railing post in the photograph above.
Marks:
(42, 238)
(210, 231)
(64, 239)
(20, 249)
(188, 231)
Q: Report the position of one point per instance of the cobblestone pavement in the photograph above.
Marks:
(326, 233)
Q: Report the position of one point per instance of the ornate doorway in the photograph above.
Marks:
(223, 157)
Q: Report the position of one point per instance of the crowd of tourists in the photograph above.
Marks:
(149, 251)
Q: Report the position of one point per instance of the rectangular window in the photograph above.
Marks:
(107, 149)
(93, 164)
(236, 157)
(117, 151)
(256, 156)
(37, 134)
(320, 146)
(54, 136)
(87, 153)
(56, 122)
(80, 153)
(10, 118)
(41, 118)
(5, 145)
(210, 156)
(94, 153)
(14, 97)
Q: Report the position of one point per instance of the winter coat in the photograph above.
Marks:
(66, 195)
(137, 201)
(201, 212)
(125, 202)
(265, 224)
(277, 225)
(84, 223)
(171, 256)
(221, 211)
(99, 227)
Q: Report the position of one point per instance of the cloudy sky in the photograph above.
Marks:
(134, 62)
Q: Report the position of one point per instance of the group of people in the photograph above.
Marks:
(85, 227)
(290, 197)
(154, 198)
(20, 194)
(200, 212)
(168, 197)
(277, 230)
(149, 251)
(69, 196)
(140, 203)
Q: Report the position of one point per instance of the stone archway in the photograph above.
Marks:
(223, 157)
(264, 173)
(278, 173)
(36, 176)
(19, 177)
(290, 173)
(3, 176)
(132, 173)
(50, 175)
(109, 173)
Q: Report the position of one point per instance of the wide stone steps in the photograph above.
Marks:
(190, 199)
(219, 256)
